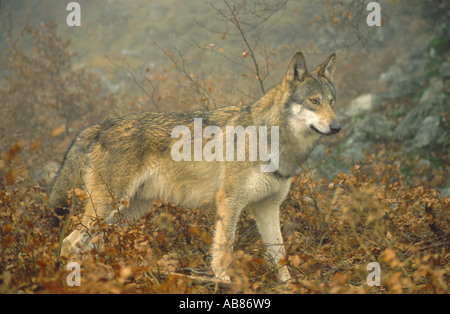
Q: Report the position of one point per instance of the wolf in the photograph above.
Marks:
(128, 161)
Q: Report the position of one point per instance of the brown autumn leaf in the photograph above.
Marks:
(7, 241)
(79, 193)
(164, 221)
(202, 234)
(161, 237)
(11, 176)
(35, 146)
(58, 131)
(12, 152)
(283, 262)
(194, 230)
(205, 237)
(294, 260)
(389, 257)
(7, 228)
(95, 239)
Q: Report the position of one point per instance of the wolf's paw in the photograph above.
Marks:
(222, 275)
(224, 278)
(283, 275)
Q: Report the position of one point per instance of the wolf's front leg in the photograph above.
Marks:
(268, 221)
(228, 212)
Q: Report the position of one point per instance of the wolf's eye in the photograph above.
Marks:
(331, 102)
(314, 101)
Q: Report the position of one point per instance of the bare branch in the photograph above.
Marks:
(201, 91)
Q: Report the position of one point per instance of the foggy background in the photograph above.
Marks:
(377, 191)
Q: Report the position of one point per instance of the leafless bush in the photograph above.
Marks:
(42, 92)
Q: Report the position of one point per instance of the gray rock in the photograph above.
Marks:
(370, 127)
(423, 163)
(333, 166)
(364, 132)
(408, 127)
(445, 192)
(317, 153)
(435, 105)
(403, 87)
(429, 96)
(354, 151)
(391, 75)
(428, 134)
(376, 125)
(445, 69)
(415, 67)
(364, 103)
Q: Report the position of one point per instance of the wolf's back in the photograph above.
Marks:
(70, 174)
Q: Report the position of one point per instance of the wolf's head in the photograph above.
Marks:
(311, 97)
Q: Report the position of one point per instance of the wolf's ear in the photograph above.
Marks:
(297, 68)
(327, 68)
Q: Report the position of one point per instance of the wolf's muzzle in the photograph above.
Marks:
(335, 127)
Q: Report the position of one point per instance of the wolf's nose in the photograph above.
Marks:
(335, 127)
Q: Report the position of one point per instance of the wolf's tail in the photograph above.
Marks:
(70, 174)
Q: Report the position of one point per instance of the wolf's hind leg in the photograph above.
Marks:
(78, 241)
(98, 206)
(228, 212)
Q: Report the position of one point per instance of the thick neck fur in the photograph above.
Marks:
(266, 110)
(295, 147)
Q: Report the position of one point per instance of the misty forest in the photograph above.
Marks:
(376, 192)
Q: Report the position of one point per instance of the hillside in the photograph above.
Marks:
(376, 192)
